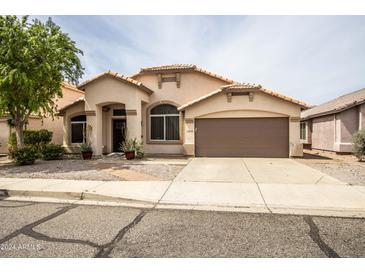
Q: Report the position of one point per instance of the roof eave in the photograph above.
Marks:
(249, 88)
(106, 74)
(333, 111)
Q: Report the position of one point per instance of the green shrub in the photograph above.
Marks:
(358, 147)
(24, 156)
(36, 138)
(52, 152)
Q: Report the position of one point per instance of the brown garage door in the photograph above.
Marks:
(242, 137)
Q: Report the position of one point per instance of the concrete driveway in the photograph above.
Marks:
(262, 185)
(252, 170)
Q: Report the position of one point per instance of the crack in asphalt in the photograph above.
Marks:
(314, 234)
(106, 249)
(103, 250)
(40, 236)
(29, 227)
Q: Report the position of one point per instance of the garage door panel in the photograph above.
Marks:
(242, 137)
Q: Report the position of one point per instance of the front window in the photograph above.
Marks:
(164, 123)
(78, 129)
(303, 131)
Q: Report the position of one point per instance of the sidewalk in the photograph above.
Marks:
(314, 199)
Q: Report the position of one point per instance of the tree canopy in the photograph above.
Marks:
(35, 59)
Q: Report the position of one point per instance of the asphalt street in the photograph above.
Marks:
(65, 230)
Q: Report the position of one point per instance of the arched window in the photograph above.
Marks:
(78, 129)
(164, 123)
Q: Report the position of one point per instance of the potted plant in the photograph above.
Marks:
(132, 149)
(128, 147)
(86, 151)
(85, 148)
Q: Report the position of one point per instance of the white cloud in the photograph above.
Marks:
(313, 58)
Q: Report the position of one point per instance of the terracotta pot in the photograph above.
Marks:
(87, 155)
(129, 155)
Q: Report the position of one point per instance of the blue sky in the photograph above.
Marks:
(311, 58)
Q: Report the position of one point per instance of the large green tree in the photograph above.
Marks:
(35, 58)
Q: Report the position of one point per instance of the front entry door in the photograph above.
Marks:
(118, 134)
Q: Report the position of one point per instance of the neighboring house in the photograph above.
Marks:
(70, 94)
(330, 126)
(185, 110)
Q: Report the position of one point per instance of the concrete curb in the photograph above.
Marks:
(73, 196)
(85, 198)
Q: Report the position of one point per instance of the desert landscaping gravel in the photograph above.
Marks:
(342, 167)
(99, 169)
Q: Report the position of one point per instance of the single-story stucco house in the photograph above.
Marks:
(184, 110)
(330, 126)
(70, 94)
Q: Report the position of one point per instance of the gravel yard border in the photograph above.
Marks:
(101, 169)
(344, 167)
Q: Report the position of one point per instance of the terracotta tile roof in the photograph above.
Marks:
(72, 87)
(77, 101)
(284, 97)
(183, 68)
(243, 86)
(336, 105)
(120, 77)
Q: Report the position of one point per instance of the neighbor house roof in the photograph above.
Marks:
(243, 86)
(61, 111)
(336, 105)
(120, 77)
(181, 68)
(72, 87)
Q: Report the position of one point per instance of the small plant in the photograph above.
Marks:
(24, 156)
(139, 151)
(52, 152)
(86, 147)
(358, 147)
(132, 148)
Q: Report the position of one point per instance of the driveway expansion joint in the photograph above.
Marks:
(258, 187)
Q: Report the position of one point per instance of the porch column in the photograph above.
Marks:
(134, 122)
(96, 122)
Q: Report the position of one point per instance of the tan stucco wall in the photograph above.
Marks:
(262, 106)
(55, 125)
(106, 91)
(192, 86)
(4, 135)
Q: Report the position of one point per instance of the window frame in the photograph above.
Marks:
(164, 124)
(305, 131)
(84, 128)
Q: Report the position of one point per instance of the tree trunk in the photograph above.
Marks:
(19, 136)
